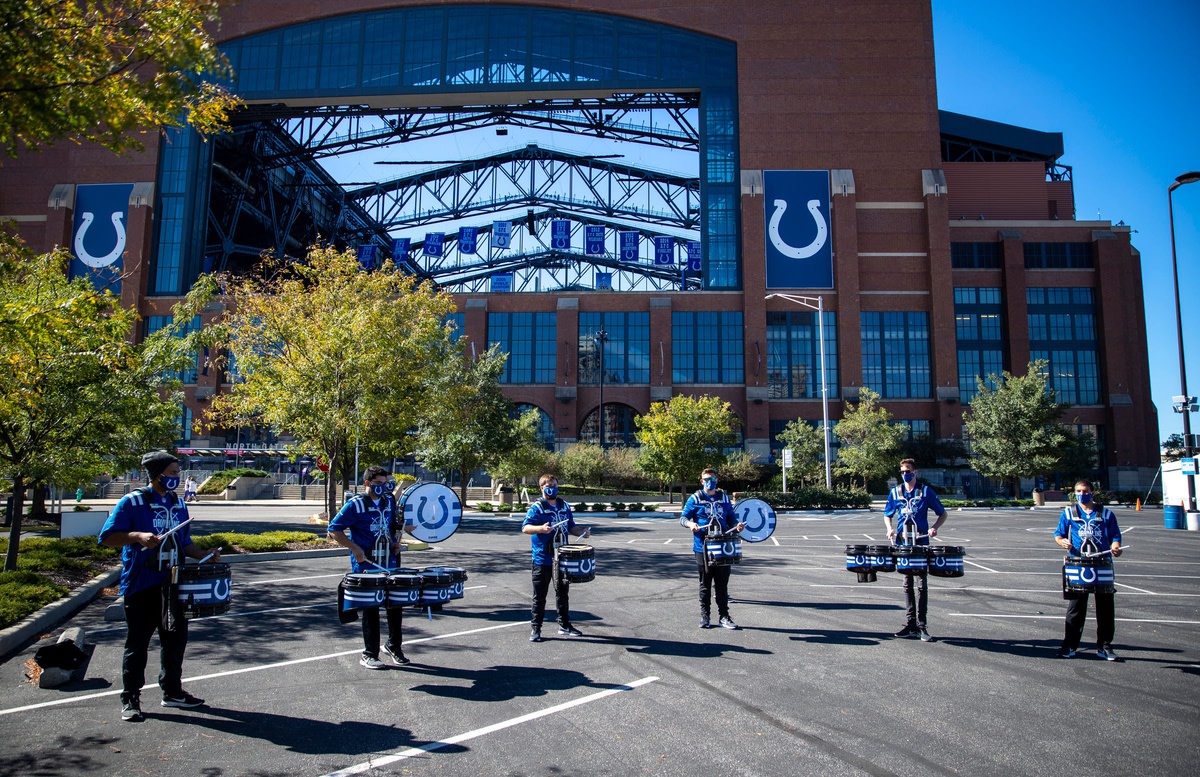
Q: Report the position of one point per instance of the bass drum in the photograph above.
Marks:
(758, 516)
(432, 510)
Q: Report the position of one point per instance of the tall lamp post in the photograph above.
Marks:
(1186, 401)
(600, 338)
(817, 304)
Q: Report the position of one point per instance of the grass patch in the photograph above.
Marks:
(47, 569)
(267, 542)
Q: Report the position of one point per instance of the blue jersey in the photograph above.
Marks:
(145, 510)
(704, 508)
(543, 512)
(1100, 527)
(371, 525)
(913, 509)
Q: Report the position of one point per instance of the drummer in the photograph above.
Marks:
(1088, 527)
(139, 526)
(371, 518)
(710, 507)
(547, 522)
(912, 501)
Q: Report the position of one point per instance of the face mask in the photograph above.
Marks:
(379, 489)
(710, 483)
(908, 476)
(550, 492)
(1085, 499)
(170, 482)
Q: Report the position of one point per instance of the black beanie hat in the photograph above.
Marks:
(156, 461)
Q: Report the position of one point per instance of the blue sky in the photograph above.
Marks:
(1121, 81)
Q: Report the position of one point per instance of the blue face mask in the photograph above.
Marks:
(710, 484)
(1085, 499)
(170, 482)
(550, 492)
(908, 476)
(379, 489)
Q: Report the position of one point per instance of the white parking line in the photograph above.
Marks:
(276, 665)
(376, 763)
(1059, 617)
(981, 566)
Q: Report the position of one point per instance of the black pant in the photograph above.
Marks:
(144, 616)
(710, 574)
(562, 596)
(370, 624)
(1077, 614)
(916, 602)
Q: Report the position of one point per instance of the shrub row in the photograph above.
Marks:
(813, 498)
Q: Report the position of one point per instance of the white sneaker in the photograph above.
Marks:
(370, 662)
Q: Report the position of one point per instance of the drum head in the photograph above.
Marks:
(432, 510)
(759, 518)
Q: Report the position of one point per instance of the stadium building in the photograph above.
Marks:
(639, 200)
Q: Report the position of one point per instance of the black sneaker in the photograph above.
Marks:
(1107, 653)
(132, 710)
(727, 623)
(907, 631)
(569, 631)
(397, 656)
(535, 635)
(704, 624)
(184, 701)
(924, 635)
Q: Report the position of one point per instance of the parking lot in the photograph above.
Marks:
(813, 683)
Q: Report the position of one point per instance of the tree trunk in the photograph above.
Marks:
(14, 534)
(462, 491)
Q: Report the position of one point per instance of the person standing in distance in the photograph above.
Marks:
(1088, 527)
(371, 520)
(911, 502)
(138, 525)
(707, 506)
(548, 522)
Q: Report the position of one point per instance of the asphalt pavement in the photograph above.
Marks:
(812, 684)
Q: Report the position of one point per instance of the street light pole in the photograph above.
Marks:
(600, 338)
(1188, 450)
(817, 304)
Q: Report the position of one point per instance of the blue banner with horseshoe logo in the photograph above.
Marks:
(798, 241)
(98, 233)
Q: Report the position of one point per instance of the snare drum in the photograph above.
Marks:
(1084, 575)
(911, 559)
(880, 558)
(403, 587)
(360, 590)
(203, 589)
(437, 586)
(946, 560)
(858, 561)
(458, 576)
(723, 551)
(577, 563)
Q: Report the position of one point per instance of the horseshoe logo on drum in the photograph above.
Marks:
(445, 513)
(860, 560)
(1087, 574)
(220, 591)
(762, 520)
(802, 252)
(586, 565)
(111, 256)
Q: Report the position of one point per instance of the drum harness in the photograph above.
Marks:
(712, 530)
(561, 536)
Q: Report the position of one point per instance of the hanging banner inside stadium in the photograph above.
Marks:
(467, 239)
(799, 249)
(629, 246)
(693, 256)
(367, 257)
(560, 235)
(664, 251)
(604, 281)
(501, 234)
(98, 233)
(434, 243)
(593, 240)
(502, 282)
(400, 249)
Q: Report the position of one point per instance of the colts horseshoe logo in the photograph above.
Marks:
(111, 256)
(220, 591)
(803, 252)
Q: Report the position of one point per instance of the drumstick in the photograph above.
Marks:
(210, 555)
(1106, 552)
(173, 529)
(372, 563)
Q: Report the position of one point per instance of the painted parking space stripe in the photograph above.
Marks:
(275, 665)
(1060, 617)
(376, 763)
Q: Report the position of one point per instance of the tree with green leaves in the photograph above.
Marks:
(332, 353)
(1172, 447)
(808, 447)
(868, 441)
(467, 425)
(77, 397)
(583, 464)
(528, 457)
(104, 72)
(1078, 456)
(1013, 426)
(681, 437)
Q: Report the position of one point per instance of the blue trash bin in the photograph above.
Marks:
(1173, 517)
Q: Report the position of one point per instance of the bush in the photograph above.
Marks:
(650, 507)
(23, 592)
(267, 542)
(618, 507)
(582, 507)
(81, 508)
(813, 498)
(599, 507)
(221, 480)
(484, 507)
